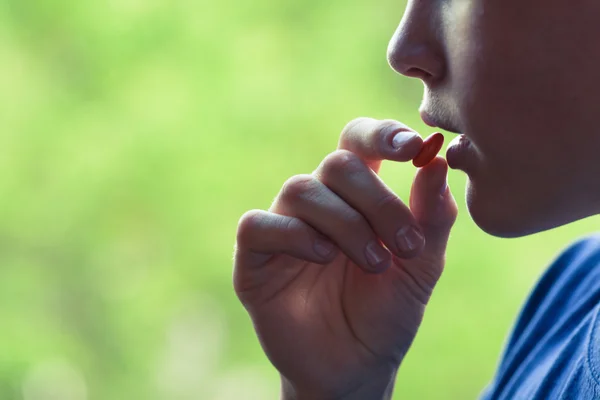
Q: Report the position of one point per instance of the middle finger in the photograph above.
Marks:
(358, 185)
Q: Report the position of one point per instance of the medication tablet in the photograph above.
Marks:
(431, 146)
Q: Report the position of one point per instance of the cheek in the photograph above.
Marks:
(530, 81)
(521, 99)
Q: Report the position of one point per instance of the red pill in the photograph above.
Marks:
(431, 146)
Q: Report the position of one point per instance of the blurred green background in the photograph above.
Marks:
(135, 133)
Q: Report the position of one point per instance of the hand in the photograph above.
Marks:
(338, 324)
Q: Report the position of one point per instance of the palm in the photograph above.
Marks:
(336, 316)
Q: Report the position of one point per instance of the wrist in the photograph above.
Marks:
(375, 389)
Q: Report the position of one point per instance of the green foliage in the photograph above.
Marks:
(136, 133)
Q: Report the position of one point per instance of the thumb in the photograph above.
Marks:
(433, 205)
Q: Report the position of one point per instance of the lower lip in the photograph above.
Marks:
(457, 152)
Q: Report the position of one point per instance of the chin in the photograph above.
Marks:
(499, 217)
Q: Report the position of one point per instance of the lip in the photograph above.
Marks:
(457, 152)
(429, 120)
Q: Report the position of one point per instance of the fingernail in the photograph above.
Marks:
(408, 239)
(323, 248)
(401, 138)
(376, 255)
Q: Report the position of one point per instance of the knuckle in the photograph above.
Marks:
(388, 201)
(386, 126)
(297, 186)
(391, 123)
(289, 225)
(249, 222)
(342, 160)
(349, 128)
(352, 219)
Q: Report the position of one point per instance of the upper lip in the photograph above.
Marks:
(437, 123)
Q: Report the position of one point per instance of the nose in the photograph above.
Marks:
(415, 49)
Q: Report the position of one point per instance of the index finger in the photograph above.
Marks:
(376, 140)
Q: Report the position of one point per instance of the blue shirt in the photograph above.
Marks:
(553, 351)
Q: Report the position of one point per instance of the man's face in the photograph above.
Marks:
(521, 80)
